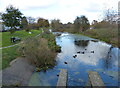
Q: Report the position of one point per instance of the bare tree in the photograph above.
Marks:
(110, 16)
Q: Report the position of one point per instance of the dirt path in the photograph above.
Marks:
(18, 73)
(9, 46)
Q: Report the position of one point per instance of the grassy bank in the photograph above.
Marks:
(9, 54)
(21, 34)
(40, 50)
(107, 35)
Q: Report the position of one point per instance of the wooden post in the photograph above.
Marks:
(62, 80)
(95, 80)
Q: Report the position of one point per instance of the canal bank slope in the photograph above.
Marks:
(109, 36)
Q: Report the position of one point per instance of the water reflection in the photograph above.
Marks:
(88, 58)
(108, 60)
(100, 60)
(82, 43)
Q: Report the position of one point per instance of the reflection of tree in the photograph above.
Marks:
(82, 43)
(108, 60)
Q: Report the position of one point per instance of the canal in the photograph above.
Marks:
(79, 55)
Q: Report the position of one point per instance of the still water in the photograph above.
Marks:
(90, 55)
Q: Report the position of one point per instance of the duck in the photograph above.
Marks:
(92, 51)
(82, 52)
(78, 52)
(75, 56)
(65, 62)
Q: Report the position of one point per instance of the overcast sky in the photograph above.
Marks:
(65, 10)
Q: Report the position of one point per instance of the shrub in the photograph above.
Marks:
(37, 51)
(46, 31)
(51, 42)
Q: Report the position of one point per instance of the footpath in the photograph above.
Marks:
(18, 74)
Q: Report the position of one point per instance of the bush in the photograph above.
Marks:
(109, 35)
(51, 42)
(105, 24)
(37, 51)
(46, 31)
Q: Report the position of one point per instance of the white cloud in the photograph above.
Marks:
(26, 4)
(65, 10)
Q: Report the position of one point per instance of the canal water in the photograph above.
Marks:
(79, 58)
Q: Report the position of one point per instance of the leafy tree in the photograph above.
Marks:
(94, 24)
(46, 23)
(24, 23)
(56, 25)
(43, 22)
(12, 18)
(77, 24)
(81, 23)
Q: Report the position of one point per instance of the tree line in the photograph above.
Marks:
(15, 20)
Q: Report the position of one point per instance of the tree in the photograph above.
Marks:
(94, 23)
(77, 24)
(110, 16)
(12, 18)
(56, 25)
(81, 23)
(46, 23)
(24, 23)
(43, 22)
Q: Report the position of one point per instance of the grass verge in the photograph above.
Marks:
(21, 34)
(9, 54)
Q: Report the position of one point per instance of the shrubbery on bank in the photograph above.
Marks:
(40, 51)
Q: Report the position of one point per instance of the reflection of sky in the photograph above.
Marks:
(89, 61)
(69, 48)
(78, 67)
(100, 51)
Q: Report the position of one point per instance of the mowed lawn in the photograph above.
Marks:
(21, 34)
(9, 54)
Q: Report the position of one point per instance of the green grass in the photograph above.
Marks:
(21, 34)
(9, 54)
(0, 39)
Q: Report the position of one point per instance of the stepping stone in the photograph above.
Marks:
(62, 80)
